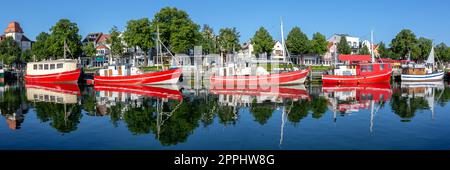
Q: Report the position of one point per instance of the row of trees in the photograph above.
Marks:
(405, 43)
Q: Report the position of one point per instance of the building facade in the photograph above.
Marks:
(352, 41)
(16, 32)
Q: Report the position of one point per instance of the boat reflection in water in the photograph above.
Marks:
(58, 104)
(262, 101)
(349, 99)
(417, 95)
(143, 108)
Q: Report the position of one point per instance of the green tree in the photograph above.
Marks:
(26, 56)
(138, 33)
(229, 40)
(297, 42)
(10, 51)
(209, 40)
(67, 31)
(40, 48)
(177, 30)
(319, 44)
(116, 43)
(423, 48)
(442, 52)
(364, 50)
(262, 42)
(382, 51)
(89, 49)
(343, 47)
(403, 43)
(299, 111)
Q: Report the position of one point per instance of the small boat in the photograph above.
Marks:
(243, 73)
(422, 72)
(125, 75)
(166, 92)
(53, 71)
(131, 75)
(286, 78)
(363, 73)
(360, 73)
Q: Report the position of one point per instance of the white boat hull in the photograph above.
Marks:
(428, 77)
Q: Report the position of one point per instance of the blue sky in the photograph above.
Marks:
(427, 18)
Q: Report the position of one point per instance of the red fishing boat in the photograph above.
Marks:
(365, 71)
(286, 78)
(124, 75)
(52, 71)
(166, 92)
(362, 73)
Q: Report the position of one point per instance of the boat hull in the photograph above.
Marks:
(63, 77)
(290, 78)
(372, 79)
(288, 92)
(166, 92)
(423, 78)
(155, 78)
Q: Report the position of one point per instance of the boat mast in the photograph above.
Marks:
(371, 46)
(282, 41)
(65, 46)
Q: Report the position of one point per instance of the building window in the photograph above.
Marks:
(59, 65)
(34, 66)
(52, 66)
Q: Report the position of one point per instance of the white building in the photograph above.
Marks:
(353, 42)
(15, 31)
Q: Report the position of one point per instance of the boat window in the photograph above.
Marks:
(368, 68)
(52, 66)
(41, 67)
(45, 66)
(59, 65)
(381, 66)
(34, 66)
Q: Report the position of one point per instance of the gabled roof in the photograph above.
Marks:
(13, 27)
(102, 38)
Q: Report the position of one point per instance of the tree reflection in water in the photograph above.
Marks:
(12, 104)
(172, 121)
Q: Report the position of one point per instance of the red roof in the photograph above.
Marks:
(13, 27)
(355, 58)
(103, 38)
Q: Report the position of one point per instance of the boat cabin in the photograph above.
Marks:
(417, 69)
(362, 69)
(121, 70)
(50, 67)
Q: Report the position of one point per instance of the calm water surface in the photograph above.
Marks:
(389, 116)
